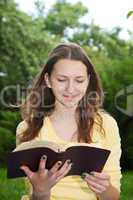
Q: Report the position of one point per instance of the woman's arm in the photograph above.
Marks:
(40, 196)
(111, 193)
(100, 184)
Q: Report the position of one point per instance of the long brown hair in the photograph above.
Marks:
(41, 101)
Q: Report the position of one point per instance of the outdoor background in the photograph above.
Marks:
(25, 41)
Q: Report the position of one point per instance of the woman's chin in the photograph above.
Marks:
(70, 104)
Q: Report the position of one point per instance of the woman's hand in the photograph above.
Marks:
(43, 180)
(98, 182)
(101, 185)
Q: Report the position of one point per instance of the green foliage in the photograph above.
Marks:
(9, 120)
(127, 143)
(13, 33)
(7, 143)
(40, 8)
(8, 123)
(10, 188)
(25, 42)
(130, 13)
(23, 45)
(63, 15)
(126, 186)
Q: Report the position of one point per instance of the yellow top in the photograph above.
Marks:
(73, 187)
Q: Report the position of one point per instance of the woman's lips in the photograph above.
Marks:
(69, 97)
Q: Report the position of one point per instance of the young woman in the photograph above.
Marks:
(65, 106)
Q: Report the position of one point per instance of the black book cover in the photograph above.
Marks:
(85, 158)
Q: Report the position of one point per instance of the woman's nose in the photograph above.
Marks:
(70, 87)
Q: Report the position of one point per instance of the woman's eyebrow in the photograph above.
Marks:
(61, 75)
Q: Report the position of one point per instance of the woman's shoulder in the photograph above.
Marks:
(21, 127)
(110, 127)
(107, 119)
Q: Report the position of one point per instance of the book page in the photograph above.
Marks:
(35, 143)
(52, 145)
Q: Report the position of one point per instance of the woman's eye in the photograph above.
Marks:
(80, 81)
(61, 80)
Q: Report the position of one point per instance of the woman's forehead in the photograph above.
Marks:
(65, 67)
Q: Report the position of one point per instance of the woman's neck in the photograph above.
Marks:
(63, 114)
(62, 110)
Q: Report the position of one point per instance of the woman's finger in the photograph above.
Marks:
(55, 168)
(65, 166)
(102, 175)
(97, 179)
(42, 163)
(64, 169)
(27, 171)
(98, 187)
(97, 191)
(62, 173)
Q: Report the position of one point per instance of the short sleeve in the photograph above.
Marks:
(112, 142)
(22, 126)
(25, 197)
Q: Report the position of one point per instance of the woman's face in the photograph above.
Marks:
(68, 81)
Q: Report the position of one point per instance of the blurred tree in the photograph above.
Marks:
(130, 13)
(64, 15)
(25, 42)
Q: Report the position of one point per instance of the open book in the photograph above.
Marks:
(85, 158)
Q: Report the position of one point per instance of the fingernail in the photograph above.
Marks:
(68, 161)
(83, 175)
(59, 163)
(71, 164)
(92, 173)
(44, 157)
(22, 167)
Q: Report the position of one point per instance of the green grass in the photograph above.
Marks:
(127, 186)
(13, 189)
(10, 189)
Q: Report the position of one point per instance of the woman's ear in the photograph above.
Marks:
(46, 77)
